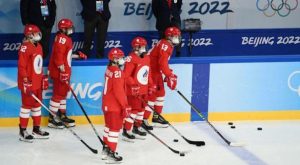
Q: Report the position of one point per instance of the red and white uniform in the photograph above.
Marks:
(30, 66)
(137, 71)
(159, 56)
(114, 101)
(61, 56)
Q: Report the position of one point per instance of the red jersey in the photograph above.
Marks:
(137, 72)
(61, 55)
(160, 55)
(114, 96)
(30, 64)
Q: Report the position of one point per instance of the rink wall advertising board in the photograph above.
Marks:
(87, 83)
(229, 27)
(221, 91)
(254, 91)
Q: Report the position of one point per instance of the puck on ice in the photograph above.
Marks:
(230, 123)
(175, 140)
(182, 154)
(259, 128)
(232, 126)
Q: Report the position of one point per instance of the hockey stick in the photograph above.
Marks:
(233, 144)
(85, 114)
(181, 153)
(197, 143)
(74, 133)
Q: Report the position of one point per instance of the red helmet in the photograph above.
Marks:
(30, 29)
(65, 24)
(138, 42)
(115, 53)
(172, 31)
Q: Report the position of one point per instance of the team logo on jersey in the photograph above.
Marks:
(69, 58)
(38, 64)
(142, 75)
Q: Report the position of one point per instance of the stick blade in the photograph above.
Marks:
(236, 144)
(94, 151)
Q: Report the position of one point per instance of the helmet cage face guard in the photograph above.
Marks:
(141, 49)
(34, 37)
(120, 61)
(68, 31)
(175, 39)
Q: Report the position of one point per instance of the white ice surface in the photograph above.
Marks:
(277, 144)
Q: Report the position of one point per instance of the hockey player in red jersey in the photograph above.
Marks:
(160, 55)
(60, 72)
(114, 104)
(31, 81)
(139, 83)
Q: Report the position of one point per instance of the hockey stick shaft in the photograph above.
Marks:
(202, 116)
(187, 140)
(74, 133)
(162, 142)
(85, 114)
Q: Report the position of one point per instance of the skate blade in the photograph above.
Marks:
(127, 140)
(40, 137)
(25, 140)
(140, 138)
(70, 124)
(157, 125)
(55, 127)
(112, 162)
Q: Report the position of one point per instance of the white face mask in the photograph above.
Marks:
(36, 37)
(175, 40)
(70, 31)
(142, 50)
(120, 61)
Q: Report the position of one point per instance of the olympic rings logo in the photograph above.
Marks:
(282, 7)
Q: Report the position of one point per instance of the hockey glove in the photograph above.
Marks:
(126, 112)
(82, 55)
(27, 86)
(171, 81)
(135, 90)
(152, 89)
(45, 82)
(64, 77)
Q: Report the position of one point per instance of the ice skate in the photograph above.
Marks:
(38, 133)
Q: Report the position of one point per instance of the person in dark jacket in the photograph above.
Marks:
(96, 15)
(167, 14)
(41, 13)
